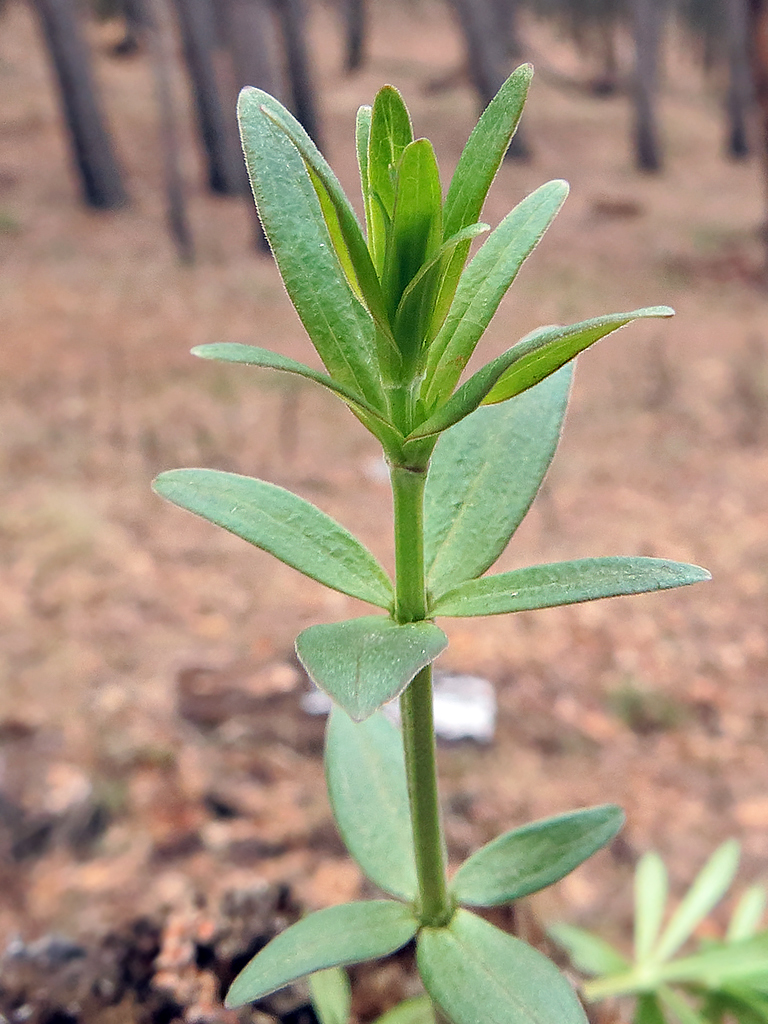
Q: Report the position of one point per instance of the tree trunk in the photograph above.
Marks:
(504, 14)
(293, 19)
(217, 127)
(739, 101)
(355, 21)
(100, 176)
(647, 18)
(486, 57)
(156, 30)
(250, 31)
(758, 35)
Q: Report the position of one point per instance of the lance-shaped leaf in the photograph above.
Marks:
(331, 995)
(485, 473)
(743, 962)
(474, 971)
(341, 329)
(365, 773)
(366, 662)
(530, 858)
(748, 914)
(484, 152)
(416, 231)
(474, 173)
(548, 348)
(340, 217)
(651, 888)
(251, 355)
(414, 317)
(418, 1010)
(484, 283)
(678, 1006)
(546, 586)
(346, 934)
(362, 139)
(649, 1011)
(390, 132)
(709, 887)
(587, 952)
(285, 525)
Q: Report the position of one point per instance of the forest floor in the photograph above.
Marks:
(154, 756)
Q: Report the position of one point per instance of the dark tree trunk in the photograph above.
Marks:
(486, 56)
(156, 30)
(504, 13)
(647, 19)
(355, 21)
(217, 126)
(758, 37)
(94, 157)
(250, 31)
(606, 82)
(293, 20)
(739, 81)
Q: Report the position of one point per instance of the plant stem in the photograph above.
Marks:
(416, 702)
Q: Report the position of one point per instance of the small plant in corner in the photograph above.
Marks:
(395, 311)
(721, 980)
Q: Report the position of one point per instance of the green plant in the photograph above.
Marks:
(719, 981)
(395, 316)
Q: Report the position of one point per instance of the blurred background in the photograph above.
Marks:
(162, 806)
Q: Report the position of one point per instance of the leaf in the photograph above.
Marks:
(651, 886)
(411, 1011)
(365, 774)
(587, 952)
(549, 348)
(341, 329)
(474, 173)
(709, 887)
(362, 138)
(389, 134)
(678, 1006)
(648, 1010)
(748, 914)
(340, 218)
(546, 586)
(714, 967)
(337, 936)
(484, 283)
(484, 152)
(416, 233)
(485, 473)
(530, 858)
(474, 971)
(366, 662)
(228, 352)
(285, 525)
(415, 312)
(331, 995)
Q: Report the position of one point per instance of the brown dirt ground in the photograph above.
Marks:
(147, 669)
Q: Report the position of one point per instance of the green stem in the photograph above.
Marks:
(416, 702)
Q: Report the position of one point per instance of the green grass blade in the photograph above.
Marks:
(389, 134)
(484, 152)
(709, 887)
(744, 962)
(331, 995)
(346, 934)
(548, 348)
(587, 952)
(251, 355)
(530, 858)
(746, 918)
(484, 283)
(651, 888)
(366, 662)
(340, 328)
(485, 473)
(416, 232)
(560, 583)
(474, 971)
(365, 773)
(285, 525)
